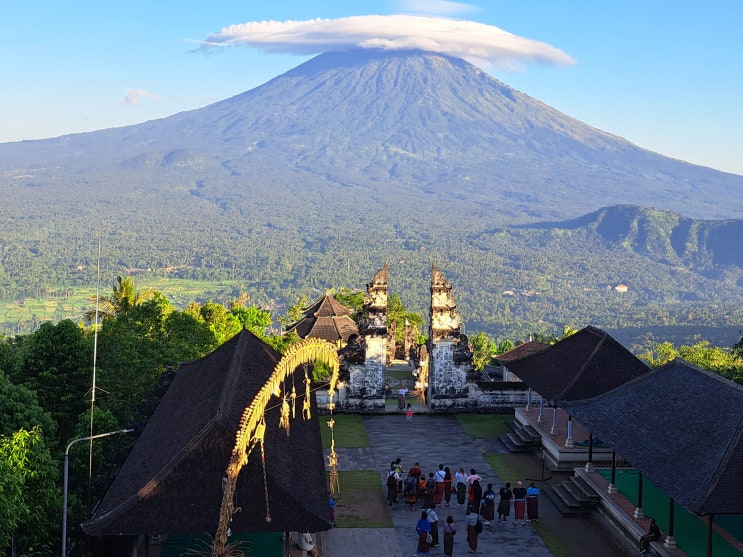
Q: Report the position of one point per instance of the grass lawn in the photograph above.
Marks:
(348, 431)
(485, 426)
(360, 502)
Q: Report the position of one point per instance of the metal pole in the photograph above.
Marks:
(64, 481)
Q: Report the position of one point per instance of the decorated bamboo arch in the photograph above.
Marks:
(252, 427)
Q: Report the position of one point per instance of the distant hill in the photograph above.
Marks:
(317, 177)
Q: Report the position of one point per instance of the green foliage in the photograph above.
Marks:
(253, 318)
(503, 346)
(19, 409)
(397, 313)
(137, 347)
(352, 299)
(56, 363)
(31, 497)
(726, 362)
(482, 349)
(124, 297)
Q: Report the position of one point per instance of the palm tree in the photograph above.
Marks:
(125, 297)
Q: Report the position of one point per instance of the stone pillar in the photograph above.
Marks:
(450, 356)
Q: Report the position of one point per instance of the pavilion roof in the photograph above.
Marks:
(327, 319)
(171, 483)
(522, 351)
(681, 427)
(585, 364)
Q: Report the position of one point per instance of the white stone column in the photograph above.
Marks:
(554, 429)
(569, 444)
(540, 418)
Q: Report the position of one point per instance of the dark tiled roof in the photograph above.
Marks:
(171, 482)
(522, 351)
(327, 306)
(681, 427)
(583, 365)
(326, 319)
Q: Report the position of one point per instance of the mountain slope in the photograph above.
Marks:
(407, 123)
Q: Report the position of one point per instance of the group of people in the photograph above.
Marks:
(436, 489)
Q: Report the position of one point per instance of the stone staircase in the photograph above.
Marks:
(573, 496)
(521, 439)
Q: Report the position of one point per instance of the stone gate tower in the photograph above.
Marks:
(450, 356)
(365, 390)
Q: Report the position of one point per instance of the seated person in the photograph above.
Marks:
(652, 536)
(304, 541)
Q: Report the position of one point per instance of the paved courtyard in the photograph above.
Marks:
(432, 439)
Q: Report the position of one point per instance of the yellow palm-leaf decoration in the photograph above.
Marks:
(249, 432)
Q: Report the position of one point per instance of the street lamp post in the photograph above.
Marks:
(66, 469)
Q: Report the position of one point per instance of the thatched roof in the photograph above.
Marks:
(171, 482)
(326, 319)
(583, 365)
(681, 427)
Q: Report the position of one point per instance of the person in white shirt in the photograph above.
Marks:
(460, 480)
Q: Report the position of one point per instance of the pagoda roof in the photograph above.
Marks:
(583, 365)
(327, 319)
(171, 483)
(679, 426)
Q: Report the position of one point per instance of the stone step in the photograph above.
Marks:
(571, 499)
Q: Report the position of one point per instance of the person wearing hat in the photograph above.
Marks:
(519, 503)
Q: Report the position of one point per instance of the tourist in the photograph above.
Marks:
(475, 493)
(487, 509)
(423, 529)
(460, 479)
(448, 488)
(439, 477)
(652, 535)
(504, 505)
(416, 470)
(392, 481)
(433, 518)
(399, 470)
(450, 530)
(409, 413)
(430, 492)
(532, 503)
(410, 492)
(519, 503)
(401, 398)
(471, 520)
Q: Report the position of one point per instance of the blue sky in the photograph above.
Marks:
(667, 76)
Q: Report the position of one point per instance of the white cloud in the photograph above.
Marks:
(133, 95)
(470, 40)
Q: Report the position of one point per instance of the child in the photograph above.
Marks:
(409, 413)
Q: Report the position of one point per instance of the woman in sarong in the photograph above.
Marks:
(450, 529)
(532, 503)
(519, 503)
(447, 486)
(487, 509)
(471, 520)
(423, 529)
(504, 505)
(410, 492)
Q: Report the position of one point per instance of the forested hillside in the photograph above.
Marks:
(684, 276)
